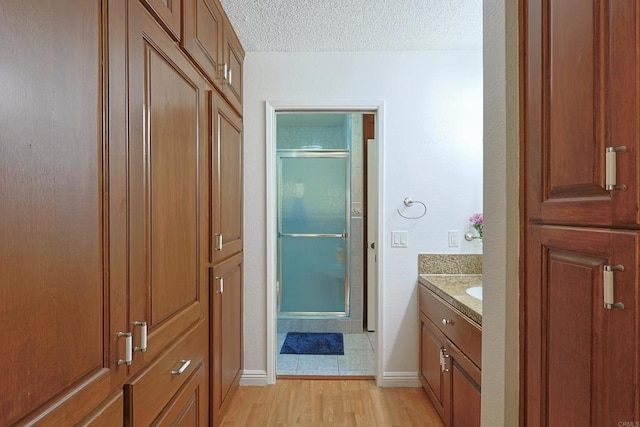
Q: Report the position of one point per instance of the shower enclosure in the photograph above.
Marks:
(313, 232)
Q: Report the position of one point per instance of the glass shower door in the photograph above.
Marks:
(313, 226)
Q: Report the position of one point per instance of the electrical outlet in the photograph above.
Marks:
(453, 238)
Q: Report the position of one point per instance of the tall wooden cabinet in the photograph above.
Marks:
(114, 150)
(55, 360)
(581, 132)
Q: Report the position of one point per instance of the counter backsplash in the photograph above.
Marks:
(449, 264)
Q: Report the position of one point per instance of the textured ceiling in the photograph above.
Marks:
(356, 25)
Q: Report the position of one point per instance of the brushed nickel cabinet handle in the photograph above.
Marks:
(183, 367)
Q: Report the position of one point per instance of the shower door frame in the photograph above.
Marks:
(346, 235)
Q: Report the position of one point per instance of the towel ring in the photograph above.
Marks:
(408, 202)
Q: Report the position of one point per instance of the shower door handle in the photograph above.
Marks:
(343, 235)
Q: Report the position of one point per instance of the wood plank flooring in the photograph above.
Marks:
(330, 403)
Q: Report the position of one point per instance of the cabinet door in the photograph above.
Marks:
(432, 376)
(581, 360)
(168, 13)
(168, 187)
(581, 96)
(227, 182)
(202, 35)
(233, 58)
(54, 358)
(226, 327)
(463, 404)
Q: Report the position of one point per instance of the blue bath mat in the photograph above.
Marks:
(313, 343)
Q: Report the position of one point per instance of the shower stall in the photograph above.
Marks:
(313, 232)
(319, 221)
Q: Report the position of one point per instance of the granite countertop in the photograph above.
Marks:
(452, 288)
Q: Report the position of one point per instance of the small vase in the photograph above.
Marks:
(479, 230)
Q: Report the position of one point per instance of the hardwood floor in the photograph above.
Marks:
(330, 403)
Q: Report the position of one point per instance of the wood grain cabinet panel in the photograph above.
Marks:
(54, 362)
(202, 36)
(582, 95)
(189, 406)
(227, 181)
(152, 394)
(432, 342)
(226, 327)
(581, 358)
(233, 58)
(168, 187)
(168, 13)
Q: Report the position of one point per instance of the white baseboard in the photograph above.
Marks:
(400, 379)
(253, 378)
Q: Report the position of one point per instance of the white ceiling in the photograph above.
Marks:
(356, 25)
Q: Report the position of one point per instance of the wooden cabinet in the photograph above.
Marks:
(449, 376)
(168, 13)
(432, 374)
(233, 58)
(167, 187)
(153, 393)
(226, 332)
(581, 96)
(187, 407)
(110, 202)
(202, 36)
(582, 363)
(226, 203)
(54, 364)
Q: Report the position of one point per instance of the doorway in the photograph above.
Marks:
(320, 239)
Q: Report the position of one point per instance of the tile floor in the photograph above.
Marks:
(359, 359)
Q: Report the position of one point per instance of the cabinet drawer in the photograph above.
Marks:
(148, 394)
(189, 406)
(463, 333)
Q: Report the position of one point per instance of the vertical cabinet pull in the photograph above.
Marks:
(443, 360)
(143, 336)
(608, 292)
(225, 74)
(220, 285)
(219, 242)
(128, 353)
(611, 180)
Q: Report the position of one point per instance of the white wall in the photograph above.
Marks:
(500, 386)
(432, 149)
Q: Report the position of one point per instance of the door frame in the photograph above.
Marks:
(271, 108)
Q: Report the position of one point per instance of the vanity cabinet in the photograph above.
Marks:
(450, 349)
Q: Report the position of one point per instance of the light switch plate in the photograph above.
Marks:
(399, 239)
(453, 238)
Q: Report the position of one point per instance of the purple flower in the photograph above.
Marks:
(476, 219)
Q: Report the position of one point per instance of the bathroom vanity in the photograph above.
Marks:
(451, 344)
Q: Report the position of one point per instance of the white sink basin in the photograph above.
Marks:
(475, 292)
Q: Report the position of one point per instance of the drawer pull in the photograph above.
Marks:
(183, 367)
(447, 322)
